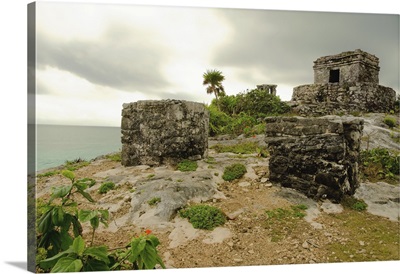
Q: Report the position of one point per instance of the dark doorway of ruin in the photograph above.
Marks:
(334, 76)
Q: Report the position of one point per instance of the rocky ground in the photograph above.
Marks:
(328, 232)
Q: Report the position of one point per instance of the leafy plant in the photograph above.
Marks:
(106, 187)
(95, 217)
(203, 216)
(234, 171)
(78, 258)
(57, 218)
(213, 79)
(380, 163)
(187, 165)
(141, 254)
(154, 201)
(353, 203)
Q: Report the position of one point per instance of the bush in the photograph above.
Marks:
(105, 187)
(353, 203)
(380, 163)
(187, 165)
(203, 216)
(154, 201)
(234, 171)
(390, 121)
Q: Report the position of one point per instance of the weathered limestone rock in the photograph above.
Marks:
(163, 132)
(316, 156)
(344, 83)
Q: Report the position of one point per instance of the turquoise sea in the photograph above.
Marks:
(56, 144)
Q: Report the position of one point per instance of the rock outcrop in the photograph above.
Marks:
(316, 156)
(163, 132)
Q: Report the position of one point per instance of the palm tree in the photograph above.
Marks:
(214, 78)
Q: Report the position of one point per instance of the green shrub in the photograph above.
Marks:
(76, 164)
(240, 148)
(116, 157)
(154, 201)
(390, 121)
(380, 163)
(353, 203)
(105, 187)
(187, 165)
(234, 171)
(203, 216)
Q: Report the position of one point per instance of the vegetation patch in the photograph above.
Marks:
(76, 164)
(390, 121)
(234, 171)
(203, 216)
(380, 163)
(241, 148)
(106, 186)
(187, 165)
(116, 157)
(48, 174)
(281, 222)
(353, 203)
(368, 238)
(153, 201)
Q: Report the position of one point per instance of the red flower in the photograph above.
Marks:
(148, 231)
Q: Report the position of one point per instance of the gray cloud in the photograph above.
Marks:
(283, 44)
(123, 58)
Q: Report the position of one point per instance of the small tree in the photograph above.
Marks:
(214, 78)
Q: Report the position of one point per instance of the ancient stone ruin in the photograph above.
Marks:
(271, 89)
(344, 83)
(316, 156)
(163, 132)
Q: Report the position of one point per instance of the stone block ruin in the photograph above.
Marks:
(316, 156)
(343, 84)
(163, 132)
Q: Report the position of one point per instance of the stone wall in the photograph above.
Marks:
(316, 156)
(323, 99)
(163, 132)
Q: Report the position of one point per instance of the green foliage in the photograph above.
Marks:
(48, 174)
(353, 203)
(214, 78)
(380, 163)
(219, 122)
(241, 148)
(203, 216)
(141, 254)
(390, 121)
(78, 258)
(282, 221)
(76, 164)
(154, 201)
(116, 157)
(106, 186)
(234, 171)
(187, 165)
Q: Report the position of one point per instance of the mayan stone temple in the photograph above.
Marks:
(344, 83)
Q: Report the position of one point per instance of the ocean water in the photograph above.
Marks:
(56, 144)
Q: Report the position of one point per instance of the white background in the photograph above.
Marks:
(14, 118)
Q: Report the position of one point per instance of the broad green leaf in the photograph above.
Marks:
(154, 240)
(137, 246)
(149, 257)
(53, 239)
(78, 246)
(66, 240)
(86, 195)
(68, 174)
(66, 223)
(98, 252)
(95, 265)
(45, 222)
(104, 214)
(81, 185)
(58, 216)
(94, 222)
(86, 215)
(76, 226)
(67, 264)
(50, 262)
(60, 192)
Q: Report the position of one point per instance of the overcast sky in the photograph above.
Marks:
(92, 58)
